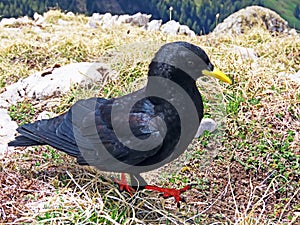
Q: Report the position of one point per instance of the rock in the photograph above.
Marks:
(244, 19)
(46, 115)
(95, 20)
(3, 151)
(206, 124)
(7, 127)
(154, 25)
(4, 104)
(63, 22)
(171, 27)
(246, 53)
(24, 20)
(54, 83)
(140, 20)
(97, 16)
(295, 77)
(124, 19)
(106, 20)
(293, 32)
(184, 29)
(38, 19)
(70, 14)
(8, 22)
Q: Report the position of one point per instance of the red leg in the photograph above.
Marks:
(170, 192)
(123, 185)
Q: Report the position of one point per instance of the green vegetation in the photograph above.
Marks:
(246, 174)
(289, 10)
(23, 112)
(200, 15)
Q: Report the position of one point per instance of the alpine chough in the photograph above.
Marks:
(137, 132)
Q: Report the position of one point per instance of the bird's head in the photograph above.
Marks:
(178, 58)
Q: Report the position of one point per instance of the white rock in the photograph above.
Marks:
(36, 16)
(206, 124)
(92, 24)
(184, 29)
(63, 22)
(7, 127)
(71, 14)
(140, 19)
(154, 25)
(4, 104)
(59, 81)
(46, 115)
(295, 77)
(3, 151)
(293, 32)
(108, 20)
(97, 16)
(38, 19)
(124, 19)
(171, 27)
(8, 21)
(24, 20)
(246, 53)
(106, 16)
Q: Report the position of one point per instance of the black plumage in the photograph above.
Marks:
(95, 132)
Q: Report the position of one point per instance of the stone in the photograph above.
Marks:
(7, 127)
(124, 19)
(38, 19)
(140, 20)
(293, 32)
(206, 124)
(95, 20)
(63, 22)
(249, 17)
(8, 21)
(46, 115)
(154, 25)
(171, 27)
(185, 30)
(245, 53)
(106, 20)
(56, 82)
(70, 14)
(3, 151)
(24, 20)
(294, 77)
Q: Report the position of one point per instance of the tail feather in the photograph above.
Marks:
(45, 132)
(24, 141)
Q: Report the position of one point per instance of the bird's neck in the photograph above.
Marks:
(172, 87)
(168, 82)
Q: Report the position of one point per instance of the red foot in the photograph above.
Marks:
(170, 192)
(123, 185)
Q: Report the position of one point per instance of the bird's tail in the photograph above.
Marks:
(55, 132)
(24, 141)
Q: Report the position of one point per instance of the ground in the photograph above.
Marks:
(246, 173)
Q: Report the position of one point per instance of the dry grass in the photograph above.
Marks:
(251, 178)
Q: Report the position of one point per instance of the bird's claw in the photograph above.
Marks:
(123, 185)
(171, 192)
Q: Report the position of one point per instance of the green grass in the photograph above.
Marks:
(23, 112)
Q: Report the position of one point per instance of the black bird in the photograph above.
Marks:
(137, 132)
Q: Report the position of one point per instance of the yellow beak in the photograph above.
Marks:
(216, 73)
